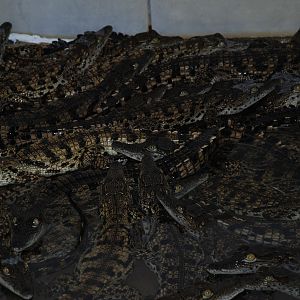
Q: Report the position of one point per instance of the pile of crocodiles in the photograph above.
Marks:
(180, 154)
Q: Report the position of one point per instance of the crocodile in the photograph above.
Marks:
(82, 135)
(264, 177)
(109, 258)
(14, 274)
(61, 154)
(188, 110)
(83, 105)
(154, 185)
(204, 39)
(185, 160)
(60, 151)
(236, 64)
(27, 229)
(66, 183)
(47, 155)
(251, 259)
(167, 229)
(53, 203)
(43, 217)
(228, 288)
(174, 255)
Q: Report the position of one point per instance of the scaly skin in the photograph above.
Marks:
(44, 224)
(177, 80)
(188, 111)
(264, 177)
(67, 204)
(239, 64)
(62, 151)
(21, 54)
(14, 274)
(27, 87)
(109, 259)
(175, 257)
(251, 259)
(222, 288)
(275, 230)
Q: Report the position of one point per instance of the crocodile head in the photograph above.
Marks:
(212, 288)
(246, 261)
(157, 147)
(14, 275)
(275, 280)
(26, 229)
(5, 29)
(151, 182)
(91, 37)
(114, 181)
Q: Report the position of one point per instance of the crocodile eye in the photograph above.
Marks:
(253, 90)
(207, 294)
(35, 222)
(269, 278)
(178, 188)
(5, 271)
(14, 221)
(180, 209)
(152, 148)
(250, 258)
(297, 88)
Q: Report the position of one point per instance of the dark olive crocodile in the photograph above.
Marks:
(14, 274)
(262, 225)
(221, 116)
(258, 231)
(155, 185)
(60, 151)
(228, 288)
(249, 259)
(56, 208)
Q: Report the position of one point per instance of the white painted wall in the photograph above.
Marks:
(70, 17)
(229, 17)
(170, 17)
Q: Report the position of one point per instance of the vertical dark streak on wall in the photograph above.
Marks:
(149, 15)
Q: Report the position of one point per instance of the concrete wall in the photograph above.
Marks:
(171, 17)
(229, 17)
(70, 17)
